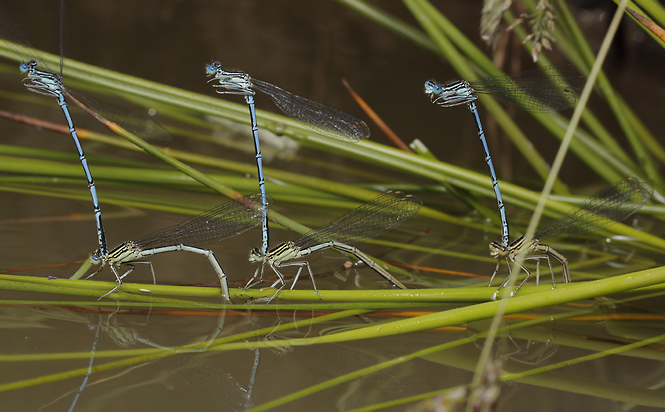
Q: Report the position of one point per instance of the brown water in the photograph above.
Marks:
(304, 47)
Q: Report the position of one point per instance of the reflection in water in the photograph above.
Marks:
(530, 345)
(213, 386)
(98, 335)
(125, 336)
(252, 378)
(532, 352)
(321, 364)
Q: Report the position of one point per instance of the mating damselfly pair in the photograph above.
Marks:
(545, 89)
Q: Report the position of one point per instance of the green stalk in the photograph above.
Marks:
(620, 110)
(434, 24)
(606, 158)
(563, 294)
(521, 303)
(387, 20)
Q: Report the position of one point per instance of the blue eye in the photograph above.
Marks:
(212, 68)
(24, 67)
(432, 87)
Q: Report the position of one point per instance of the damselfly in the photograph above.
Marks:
(544, 89)
(612, 204)
(369, 220)
(219, 223)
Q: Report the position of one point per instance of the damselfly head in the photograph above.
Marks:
(27, 66)
(212, 68)
(96, 257)
(433, 88)
(496, 249)
(256, 256)
(452, 94)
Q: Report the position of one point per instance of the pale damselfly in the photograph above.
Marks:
(316, 116)
(545, 89)
(382, 213)
(219, 223)
(613, 204)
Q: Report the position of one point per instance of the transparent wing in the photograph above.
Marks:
(612, 204)
(219, 223)
(546, 89)
(316, 116)
(380, 214)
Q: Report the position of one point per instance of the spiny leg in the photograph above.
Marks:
(564, 263)
(256, 272)
(132, 267)
(118, 277)
(281, 277)
(309, 269)
(549, 264)
(538, 258)
(95, 272)
(496, 270)
(528, 275)
(510, 272)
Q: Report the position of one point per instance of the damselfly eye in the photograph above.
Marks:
(211, 69)
(432, 87)
(96, 257)
(255, 255)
